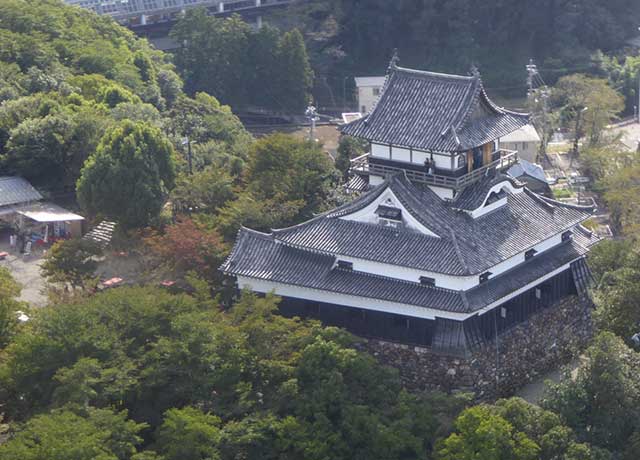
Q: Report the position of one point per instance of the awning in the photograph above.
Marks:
(47, 212)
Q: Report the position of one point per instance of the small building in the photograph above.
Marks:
(23, 212)
(532, 175)
(525, 141)
(369, 89)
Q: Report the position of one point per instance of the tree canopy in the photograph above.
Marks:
(243, 67)
(129, 175)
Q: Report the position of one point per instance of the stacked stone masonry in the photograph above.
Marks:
(550, 338)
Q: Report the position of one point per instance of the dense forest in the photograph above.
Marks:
(355, 37)
(191, 373)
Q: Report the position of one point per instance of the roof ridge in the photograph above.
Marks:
(463, 262)
(477, 87)
(360, 202)
(556, 203)
(428, 73)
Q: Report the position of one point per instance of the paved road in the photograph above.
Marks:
(26, 271)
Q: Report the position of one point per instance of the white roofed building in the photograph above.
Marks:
(23, 210)
(525, 141)
(368, 91)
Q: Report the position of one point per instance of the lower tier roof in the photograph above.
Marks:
(260, 256)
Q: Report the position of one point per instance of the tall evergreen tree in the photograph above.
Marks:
(296, 75)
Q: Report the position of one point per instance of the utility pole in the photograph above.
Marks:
(312, 116)
(532, 71)
(532, 95)
(186, 141)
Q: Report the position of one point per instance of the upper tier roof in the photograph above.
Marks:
(464, 245)
(433, 111)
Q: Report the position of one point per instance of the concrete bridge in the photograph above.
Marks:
(142, 14)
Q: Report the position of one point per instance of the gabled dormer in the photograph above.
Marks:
(388, 211)
(486, 195)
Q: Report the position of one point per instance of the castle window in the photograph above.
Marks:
(389, 212)
(344, 265)
(376, 91)
(485, 277)
(566, 236)
(529, 254)
(427, 281)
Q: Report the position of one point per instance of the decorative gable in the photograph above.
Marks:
(388, 211)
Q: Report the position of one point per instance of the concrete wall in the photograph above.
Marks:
(526, 150)
(367, 97)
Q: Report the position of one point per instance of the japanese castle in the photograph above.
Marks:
(442, 249)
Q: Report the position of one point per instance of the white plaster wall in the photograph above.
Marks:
(420, 157)
(366, 303)
(529, 153)
(366, 98)
(380, 151)
(375, 180)
(442, 161)
(368, 214)
(455, 283)
(400, 154)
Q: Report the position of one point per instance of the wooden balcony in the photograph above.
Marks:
(503, 160)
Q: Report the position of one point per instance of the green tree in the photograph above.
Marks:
(286, 169)
(588, 105)
(203, 192)
(91, 434)
(481, 434)
(189, 434)
(129, 176)
(600, 402)
(9, 291)
(348, 148)
(71, 261)
(295, 74)
(50, 151)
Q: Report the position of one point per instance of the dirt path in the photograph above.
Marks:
(534, 391)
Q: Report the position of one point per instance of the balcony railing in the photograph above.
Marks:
(504, 159)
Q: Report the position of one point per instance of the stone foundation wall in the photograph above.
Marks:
(548, 339)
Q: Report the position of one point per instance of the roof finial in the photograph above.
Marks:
(474, 71)
(393, 63)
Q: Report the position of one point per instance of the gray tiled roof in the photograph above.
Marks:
(524, 167)
(473, 196)
(465, 245)
(431, 111)
(260, 256)
(15, 190)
